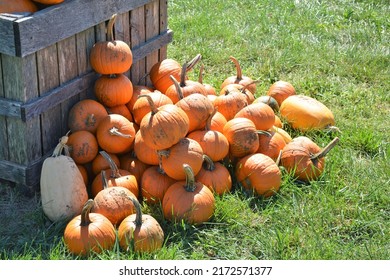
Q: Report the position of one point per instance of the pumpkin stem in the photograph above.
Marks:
(153, 107)
(138, 211)
(61, 146)
(208, 163)
(160, 169)
(325, 150)
(178, 87)
(104, 179)
(114, 168)
(85, 220)
(190, 178)
(110, 28)
(279, 158)
(191, 64)
(209, 119)
(200, 79)
(264, 132)
(245, 87)
(183, 75)
(238, 68)
(115, 131)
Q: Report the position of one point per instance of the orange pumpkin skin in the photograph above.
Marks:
(83, 146)
(137, 91)
(143, 152)
(134, 165)
(49, 2)
(218, 121)
(17, 6)
(160, 73)
(260, 114)
(242, 136)
(154, 184)
(115, 134)
(230, 103)
(188, 200)
(99, 163)
(163, 127)
(259, 173)
(280, 90)
(186, 151)
(86, 115)
(271, 145)
(89, 232)
(306, 113)
(187, 88)
(304, 159)
(113, 90)
(121, 110)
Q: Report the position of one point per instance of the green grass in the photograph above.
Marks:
(335, 51)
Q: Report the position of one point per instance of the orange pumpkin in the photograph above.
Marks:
(145, 153)
(210, 90)
(259, 174)
(188, 200)
(280, 90)
(111, 56)
(17, 6)
(86, 114)
(239, 78)
(230, 102)
(260, 114)
(49, 2)
(271, 144)
(133, 164)
(83, 146)
(121, 110)
(137, 91)
(113, 90)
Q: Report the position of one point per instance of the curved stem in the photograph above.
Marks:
(178, 87)
(183, 75)
(325, 150)
(238, 67)
(61, 146)
(85, 213)
(115, 131)
(104, 179)
(114, 168)
(110, 28)
(208, 163)
(264, 132)
(153, 107)
(200, 79)
(138, 212)
(190, 178)
(191, 64)
(245, 87)
(209, 119)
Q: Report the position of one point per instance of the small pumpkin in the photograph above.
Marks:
(163, 127)
(230, 102)
(137, 91)
(270, 101)
(271, 144)
(17, 6)
(259, 113)
(140, 232)
(113, 90)
(306, 113)
(83, 146)
(304, 159)
(86, 114)
(62, 187)
(188, 200)
(259, 173)
(121, 110)
(215, 176)
(89, 232)
(286, 136)
(145, 153)
(115, 134)
(113, 202)
(99, 163)
(239, 78)
(133, 164)
(111, 56)
(280, 90)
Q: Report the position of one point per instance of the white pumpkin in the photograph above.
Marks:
(62, 188)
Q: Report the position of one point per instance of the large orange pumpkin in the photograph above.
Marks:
(17, 6)
(113, 90)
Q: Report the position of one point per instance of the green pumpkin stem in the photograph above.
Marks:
(138, 211)
(114, 168)
(85, 220)
(325, 150)
(191, 64)
(190, 178)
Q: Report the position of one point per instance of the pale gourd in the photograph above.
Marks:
(62, 188)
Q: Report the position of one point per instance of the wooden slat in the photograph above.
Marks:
(46, 27)
(152, 30)
(122, 31)
(3, 123)
(163, 27)
(7, 34)
(137, 35)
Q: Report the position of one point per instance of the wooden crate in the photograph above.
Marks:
(45, 70)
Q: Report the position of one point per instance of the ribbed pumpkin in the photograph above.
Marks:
(111, 56)
(239, 78)
(163, 127)
(259, 113)
(210, 89)
(113, 202)
(133, 164)
(280, 90)
(62, 188)
(188, 200)
(89, 232)
(17, 6)
(143, 152)
(154, 184)
(306, 113)
(197, 107)
(214, 144)
(241, 89)
(121, 110)
(271, 144)
(215, 176)
(259, 174)
(115, 177)
(286, 136)
(141, 107)
(86, 114)
(304, 159)
(83, 146)
(218, 121)
(137, 91)
(230, 102)
(140, 232)
(186, 86)
(242, 136)
(115, 134)
(113, 90)
(186, 151)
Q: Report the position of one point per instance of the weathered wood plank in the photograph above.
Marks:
(137, 34)
(3, 123)
(152, 30)
(122, 31)
(7, 34)
(163, 27)
(32, 32)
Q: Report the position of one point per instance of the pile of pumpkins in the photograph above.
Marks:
(25, 6)
(177, 144)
